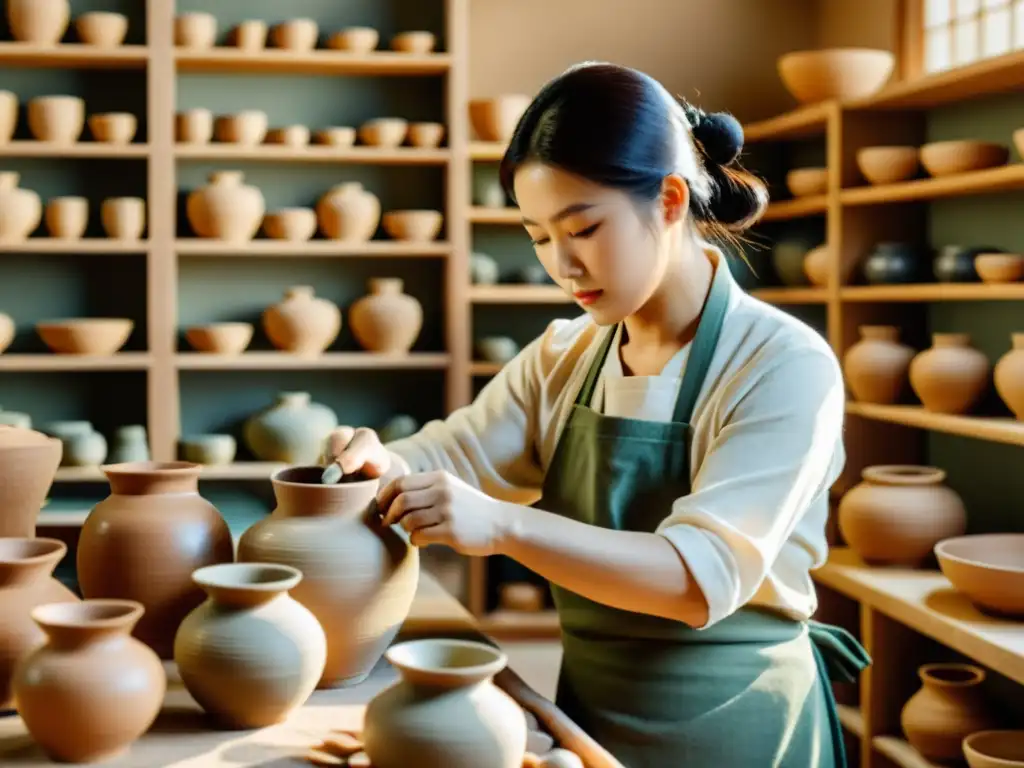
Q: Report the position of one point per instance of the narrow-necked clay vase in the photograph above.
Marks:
(386, 320)
(358, 578)
(947, 708)
(951, 376)
(876, 366)
(1009, 376)
(250, 654)
(26, 581)
(897, 514)
(144, 541)
(21, 210)
(302, 322)
(28, 464)
(43, 22)
(91, 689)
(446, 710)
(293, 430)
(349, 212)
(226, 208)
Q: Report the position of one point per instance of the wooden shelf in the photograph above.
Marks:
(521, 624)
(925, 601)
(802, 123)
(480, 215)
(518, 294)
(271, 361)
(989, 181)
(920, 292)
(43, 362)
(900, 752)
(318, 62)
(993, 429)
(72, 55)
(798, 208)
(83, 149)
(791, 295)
(86, 245)
(487, 151)
(851, 719)
(314, 153)
(481, 368)
(312, 248)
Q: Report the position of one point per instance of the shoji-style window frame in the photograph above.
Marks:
(942, 35)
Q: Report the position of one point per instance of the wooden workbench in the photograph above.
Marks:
(182, 737)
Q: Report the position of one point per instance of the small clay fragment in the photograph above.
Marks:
(318, 757)
(359, 760)
(561, 758)
(539, 742)
(342, 744)
(531, 760)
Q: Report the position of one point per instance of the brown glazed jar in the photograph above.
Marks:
(144, 541)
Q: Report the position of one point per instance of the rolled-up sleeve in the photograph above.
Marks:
(777, 450)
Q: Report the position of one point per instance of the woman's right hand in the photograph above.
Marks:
(358, 450)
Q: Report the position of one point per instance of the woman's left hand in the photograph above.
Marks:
(439, 508)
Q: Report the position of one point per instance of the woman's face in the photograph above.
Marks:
(594, 241)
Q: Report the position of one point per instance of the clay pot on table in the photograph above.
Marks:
(1008, 376)
(20, 209)
(358, 577)
(92, 689)
(8, 115)
(348, 212)
(948, 707)
(26, 581)
(250, 654)
(42, 22)
(302, 322)
(892, 263)
(951, 376)
(67, 217)
(386, 320)
(226, 208)
(56, 119)
(28, 464)
(445, 710)
(876, 366)
(897, 514)
(7, 329)
(293, 430)
(144, 541)
(104, 29)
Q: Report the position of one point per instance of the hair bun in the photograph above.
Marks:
(721, 136)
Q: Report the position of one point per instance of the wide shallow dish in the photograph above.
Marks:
(846, 74)
(988, 569)
(995, 749)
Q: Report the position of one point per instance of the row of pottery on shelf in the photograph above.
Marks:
(83, 446)
(61, 120)
(950, 377)
(484, 270)
(21, 212)
(76, 336)
(44, 22)
(893, 164)
(250, 128)
(229, 209)
(198, 31)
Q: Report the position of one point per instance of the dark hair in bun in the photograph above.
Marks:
(620, 128)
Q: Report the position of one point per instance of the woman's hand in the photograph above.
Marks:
(438, 508)
(358, 450)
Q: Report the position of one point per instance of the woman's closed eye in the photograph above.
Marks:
(586, 232)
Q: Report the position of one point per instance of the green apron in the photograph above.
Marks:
(750, 691)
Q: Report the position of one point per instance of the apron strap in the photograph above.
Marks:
(840, 659)
(590, 383)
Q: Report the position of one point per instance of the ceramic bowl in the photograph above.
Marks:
(354, 40)
(414, 41)
(220, 338)
(805, 182)
(384, 131)
(193, 126)
(195, 31)
(209, 450)
(888, 165)
(101, 28)
(418, 226)
(988, 569)
(426, 135)
(57, 119)
(289, 136)
(250, 35)
(295, 35)
(497, 349)
(292, 224)
(496, 118)
(945, 158)
(85, 336)
(999, 267)
(336, 136)
(247, 128)
(113, 127)
(995, 749)
(846, 74)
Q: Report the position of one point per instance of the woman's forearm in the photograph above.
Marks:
(640, 572)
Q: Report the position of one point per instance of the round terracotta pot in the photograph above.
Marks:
(26, 581)
(250, 654)
(302, 322)
(144, 541)
(28, 464)
(386, 320)
(43, 22)
(293, 430)
(91, 689)
(358, 578)
(951, 376)
(21, 210)
(897, 514)
(226, 208)
(7, 330)
(8, 115)
(446, 710)
(876, 366)
(348, 211)
(947, 708)
(1008, 376)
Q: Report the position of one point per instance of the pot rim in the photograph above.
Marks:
(97, 613)
(276, 477)
(942, 550)
(245, 576)
(903, 474)
(162, 468)
(52, 549)
(972, 674)
(976, 743)
(407, 656)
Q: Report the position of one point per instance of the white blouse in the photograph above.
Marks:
(766, 445)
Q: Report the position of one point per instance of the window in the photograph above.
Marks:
(961, 32)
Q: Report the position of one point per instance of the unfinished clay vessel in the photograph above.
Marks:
(897, 514)
(6, 331)
(250, 654)
(948, 707)
(67, 217)
(386, 320)
(26, 581)
(302, 322)
(951, 376)
(42, 22)
(226, 208)
(144, 541)
(1009, 376)
(358, 578)
(28, 464)
(21, 210)
(876, 366)
(56, 119)
(349, 212)
(293, 430)
(8, 115)
(446, 710)
(92, 689)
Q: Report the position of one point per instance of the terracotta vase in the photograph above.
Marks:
(386, 320)
(446, 710)
(144, 541)
(876, 366)
(349, 212)
(250, 654)
(1009, 376)
(26, 581)
(293, 430)
(302, 322)
(67, 217)
(8, 115)
(43, 22)
(951, 376)
(91, 689)
(897, 514)
(226, 208)
(945, 710)
(28, 464)
(21, 210)
(7, 329)
(358, 578)
(817, 266)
